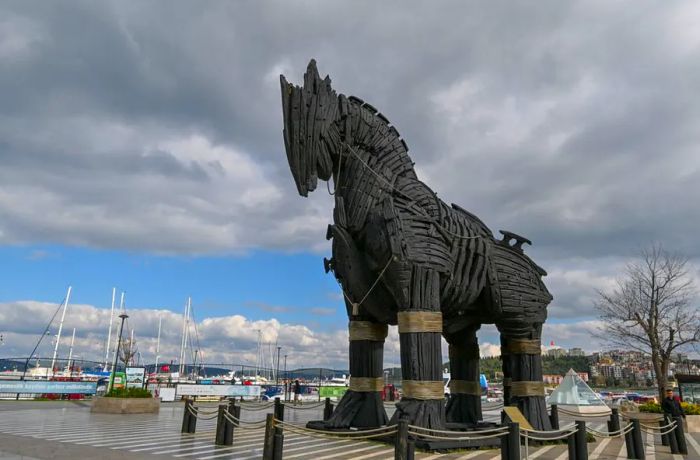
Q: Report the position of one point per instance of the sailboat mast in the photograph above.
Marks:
(160, 321)
(70, 353)
(109, 331)
(121, 310)
(60, 328)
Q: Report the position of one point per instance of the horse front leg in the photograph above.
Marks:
(362, 405)
(420, 332)
(464, 405)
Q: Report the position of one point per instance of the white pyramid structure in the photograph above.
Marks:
(573, 394)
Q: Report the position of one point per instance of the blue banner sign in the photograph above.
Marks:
(38, 386)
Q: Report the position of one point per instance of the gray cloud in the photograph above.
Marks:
(574, 123)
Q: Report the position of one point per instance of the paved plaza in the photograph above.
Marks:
(67, 430)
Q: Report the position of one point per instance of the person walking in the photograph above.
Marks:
(671, 406)
(297, 390)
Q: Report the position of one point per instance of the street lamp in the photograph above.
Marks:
(123, 316)
(277, 372)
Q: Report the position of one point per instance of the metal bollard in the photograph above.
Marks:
(614, 422)
(269, 441)
(680, 436)
(220, 426)
(664, 437)
(279, 434)
(571, 445)
(510, 443)
(629, 444)
(411, 450)
(671, 437)
(554, 417)
(581, 441)
(637, 440)
(401, 441)
(186, 417)
(234, 411)
(328, 409)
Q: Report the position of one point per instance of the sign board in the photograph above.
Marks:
(119, 379)
(333, 392)
(166, 394)
(250, 391)
(135, 377)
(38, 386)
(515, 416)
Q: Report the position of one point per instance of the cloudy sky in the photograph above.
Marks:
(140, 147)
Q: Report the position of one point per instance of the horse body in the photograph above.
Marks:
(403, 256)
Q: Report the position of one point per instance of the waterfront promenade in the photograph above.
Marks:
(67, 430)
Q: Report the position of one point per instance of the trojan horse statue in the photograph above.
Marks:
(402, 256)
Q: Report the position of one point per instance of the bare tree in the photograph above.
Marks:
(650, 309)
(127, 351)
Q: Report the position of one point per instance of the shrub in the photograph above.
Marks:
(650, 407)
(129, 393)
(688, 408)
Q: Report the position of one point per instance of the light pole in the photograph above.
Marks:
(123, 316)
(277, 372)
(286, 379)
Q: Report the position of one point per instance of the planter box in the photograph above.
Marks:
(102, 405)
(692, 423)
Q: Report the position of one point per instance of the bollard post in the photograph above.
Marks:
(571, 445)
(680, 436)
(614, 422)
(554, 417)
(269, 441)
(581, 441)
(327, 409)
(671, 438)
(411, 450)
(401, 442)
(510, 443)
(228, 432)
(637, 440)
(629, 445)
(186, 417)
(220, 426)
(279, 434)
(664, 437)
(279, 409)
(278, 443)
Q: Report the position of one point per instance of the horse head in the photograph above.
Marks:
(311, 138)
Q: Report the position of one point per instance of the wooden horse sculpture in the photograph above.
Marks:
(402, 256)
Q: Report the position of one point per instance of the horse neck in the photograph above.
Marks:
(375, 146)
(373, 157)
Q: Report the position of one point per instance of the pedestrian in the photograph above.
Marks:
(297, 390)
(671, 406)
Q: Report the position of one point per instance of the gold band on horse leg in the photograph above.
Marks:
(420, 321)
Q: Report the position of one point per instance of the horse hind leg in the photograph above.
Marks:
(362, 405)
(522, 370)
(464, 403)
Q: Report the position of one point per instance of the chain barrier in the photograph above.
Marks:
(627, 417)
(591, 415)
(457, 438)
(431, 430)
(237, 423)
(526, 434)
(653, 429)
(323, 434)
(315, 406)
(611, 434)
(194, 411)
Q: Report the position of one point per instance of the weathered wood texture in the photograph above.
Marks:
(397, 247)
